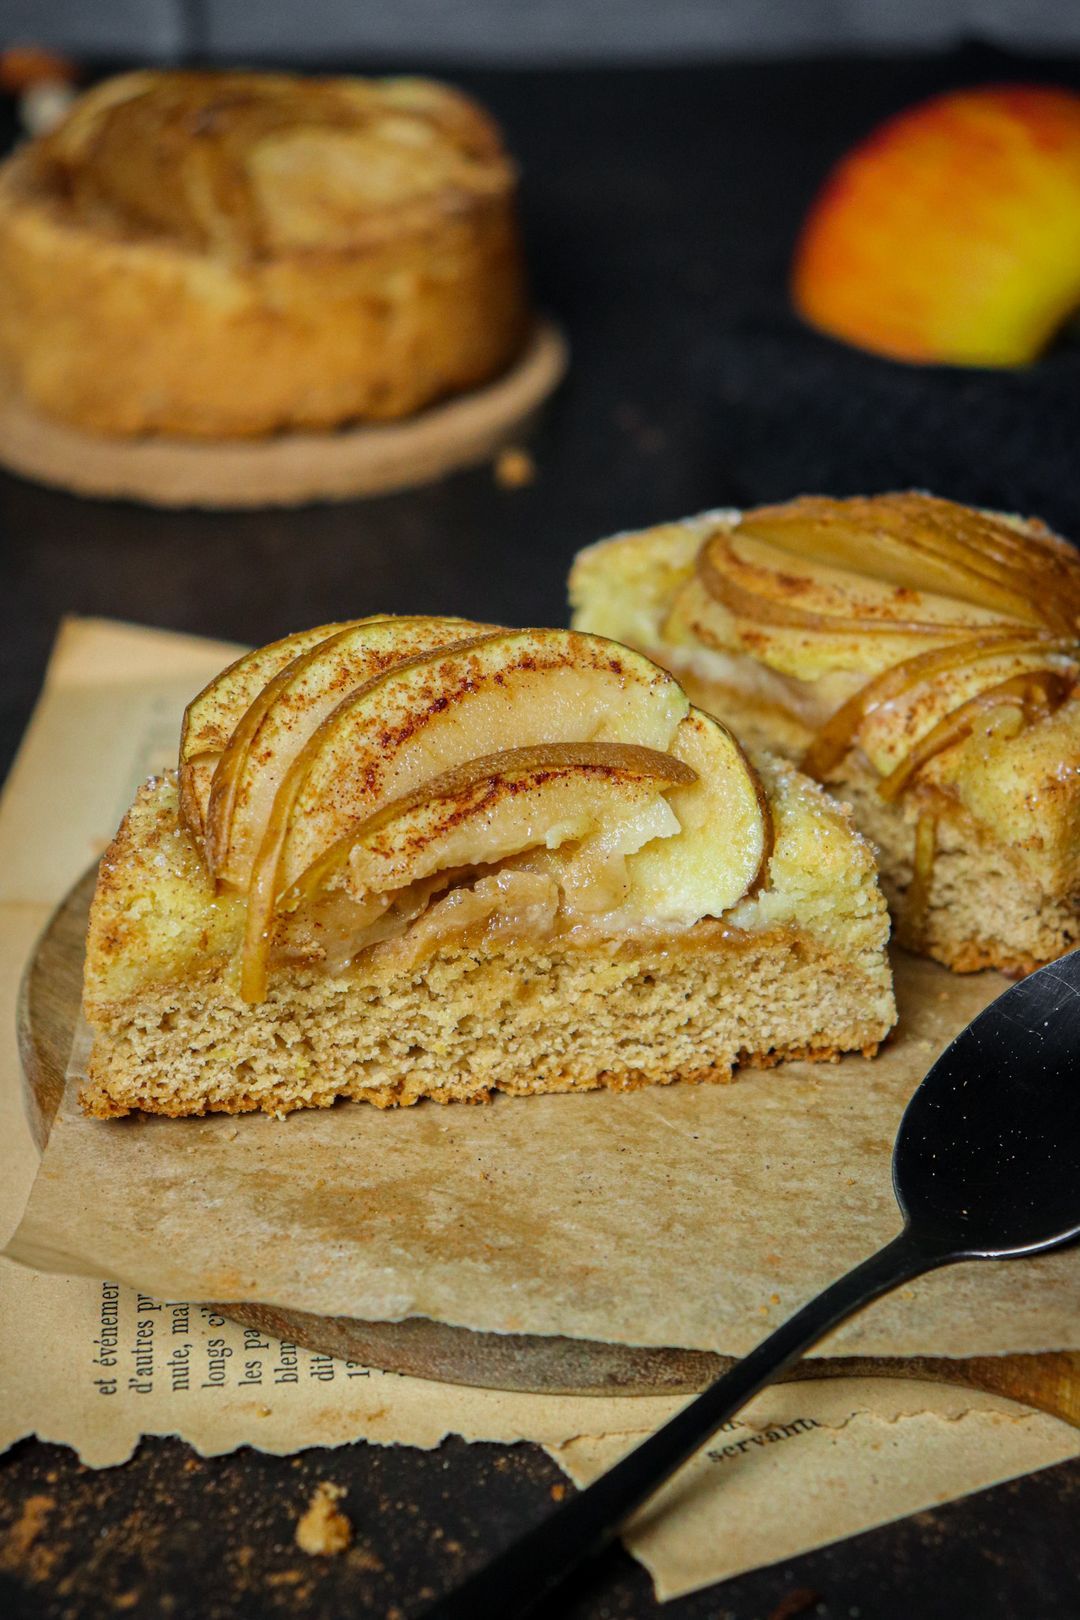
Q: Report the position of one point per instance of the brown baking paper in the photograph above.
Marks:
(96, 1365)
(691, 1216)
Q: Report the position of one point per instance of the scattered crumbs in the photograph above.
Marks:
(25, 1531)
(646, 436)
(558, 1492)
(364, 1559)
(796, 1602)
(514, 468)
(774, 1299)
(324, 1528)
(763, 1310)
(127, 1600)
(284, 1577)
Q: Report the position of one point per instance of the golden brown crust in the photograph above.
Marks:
(219, 255)
(98, 1101)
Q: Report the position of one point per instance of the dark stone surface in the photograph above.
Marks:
(661, 208)
(174, 1534)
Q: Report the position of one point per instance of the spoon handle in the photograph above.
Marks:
(530, 1569)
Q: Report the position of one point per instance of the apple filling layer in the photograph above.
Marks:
(401, 781)
(583, 883)
(529, 844)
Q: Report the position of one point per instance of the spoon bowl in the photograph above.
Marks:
(986, 1163)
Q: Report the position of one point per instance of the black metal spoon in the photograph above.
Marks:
(986, 1166)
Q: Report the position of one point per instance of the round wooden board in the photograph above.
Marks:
(47, 1010)
(286, 469)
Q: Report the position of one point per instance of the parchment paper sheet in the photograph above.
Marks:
(96, 1365)
(689, 1216)
(809, 1464)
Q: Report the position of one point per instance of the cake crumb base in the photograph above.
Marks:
(521, 1020)
(323, 1528)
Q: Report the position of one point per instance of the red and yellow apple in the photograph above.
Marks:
(952, 233)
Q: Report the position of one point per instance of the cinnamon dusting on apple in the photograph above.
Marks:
(961, 587)
(343, 780)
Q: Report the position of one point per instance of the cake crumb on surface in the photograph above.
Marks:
(514, 468)
(323, 1528)
(19, 1544)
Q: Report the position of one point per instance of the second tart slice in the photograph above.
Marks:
(918, 657)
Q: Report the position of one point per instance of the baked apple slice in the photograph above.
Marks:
(897, 717)
(917, 543)
(698, 874)
(212, 716)
(283, 716)
(790, 612)
(493, 807)
(817, 585)
(418, 720)
(782, 587)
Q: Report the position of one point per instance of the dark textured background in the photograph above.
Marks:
(554, 32)
(661, 207)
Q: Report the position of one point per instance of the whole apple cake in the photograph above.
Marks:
(424, 857)
(225, 254)
(920, 658)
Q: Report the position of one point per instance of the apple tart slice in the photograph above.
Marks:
(423, 857)
(920, 658)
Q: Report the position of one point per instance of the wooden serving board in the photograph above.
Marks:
(47, 1010)
(285, 469)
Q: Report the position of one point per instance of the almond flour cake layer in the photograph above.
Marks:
(518, 1019)
(625, 916)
